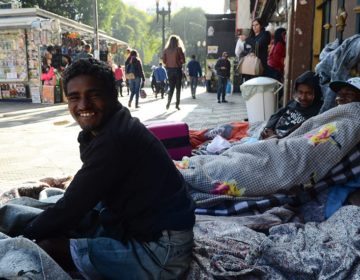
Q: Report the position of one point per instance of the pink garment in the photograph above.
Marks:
(119, 73)
(49, 75)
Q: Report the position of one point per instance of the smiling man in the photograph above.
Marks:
(306, 104)
(128, 188)
(346, 92)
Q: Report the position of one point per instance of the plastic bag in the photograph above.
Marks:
(218, 144)
(228, 88)
(143, 93)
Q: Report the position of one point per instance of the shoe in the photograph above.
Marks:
(162, 96)
(219, 101)
(177, 107)
(129, 104)
(194, 97)
(167, 106)
(155, 95)
(224, 101)
(121, 95)
(137, 106)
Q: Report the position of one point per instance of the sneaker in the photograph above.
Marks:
(129, 104)
(219, 101)
(167, 106)
(224, 101)
(137, 106)
(177, 107)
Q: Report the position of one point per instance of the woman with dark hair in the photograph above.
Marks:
(174, 58)
(258, 42)
(277, 55)
(134, 66)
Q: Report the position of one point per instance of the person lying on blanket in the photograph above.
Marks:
(144, 214)
(346, 92)
(306, 104)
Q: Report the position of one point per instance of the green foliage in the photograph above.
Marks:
(140, 30)
(190, 25)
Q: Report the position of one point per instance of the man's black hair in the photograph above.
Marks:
(193, 56)
(100, 70)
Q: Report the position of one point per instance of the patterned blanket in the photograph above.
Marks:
(271, 245)
(256, 170)
(225, 249)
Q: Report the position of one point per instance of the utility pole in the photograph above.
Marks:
(96, 31)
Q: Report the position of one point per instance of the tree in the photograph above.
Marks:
(190, 25)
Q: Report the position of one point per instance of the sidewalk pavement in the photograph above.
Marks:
(40, 140)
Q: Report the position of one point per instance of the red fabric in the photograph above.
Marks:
(239, 131)
(276, 57)
(119, 74)
(49, 75)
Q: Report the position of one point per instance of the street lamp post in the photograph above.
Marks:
(96, 31)
(162, 12)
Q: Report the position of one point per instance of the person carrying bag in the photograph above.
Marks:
(251, 63)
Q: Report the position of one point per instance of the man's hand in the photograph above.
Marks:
(267, 133)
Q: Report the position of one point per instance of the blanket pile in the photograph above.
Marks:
(256, 170)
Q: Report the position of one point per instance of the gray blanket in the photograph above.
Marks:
(329, 250)
(272, 166)
(335, 64)
(225, 247)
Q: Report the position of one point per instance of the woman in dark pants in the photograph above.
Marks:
(258, 43)
(174, 58)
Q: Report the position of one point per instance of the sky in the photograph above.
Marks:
(209, 6)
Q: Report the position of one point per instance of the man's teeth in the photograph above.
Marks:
(86, 114)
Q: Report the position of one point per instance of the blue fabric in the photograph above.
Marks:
(106, 258)
(338, 194)
(221, 87)
(194, 68)
(160, 74)
(135, 89)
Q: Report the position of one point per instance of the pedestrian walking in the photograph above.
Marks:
(161, 78)
(174, 58)
(136, 77)
(119, 74)
(194, 70)
(222, 68)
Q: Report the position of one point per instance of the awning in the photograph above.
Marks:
(24, 17)
(17, 22)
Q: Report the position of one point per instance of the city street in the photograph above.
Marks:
(40, 140)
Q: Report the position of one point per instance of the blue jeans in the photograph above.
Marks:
(221, 88)
(193, 85)
(106, 258)
(135, 89)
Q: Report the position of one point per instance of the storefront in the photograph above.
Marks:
(25, 35)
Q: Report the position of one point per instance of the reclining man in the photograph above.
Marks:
(306, 104)
(143, 212)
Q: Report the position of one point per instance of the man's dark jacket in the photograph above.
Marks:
(222, 62)
(128, 171)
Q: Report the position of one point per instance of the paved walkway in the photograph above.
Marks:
(39, 140)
